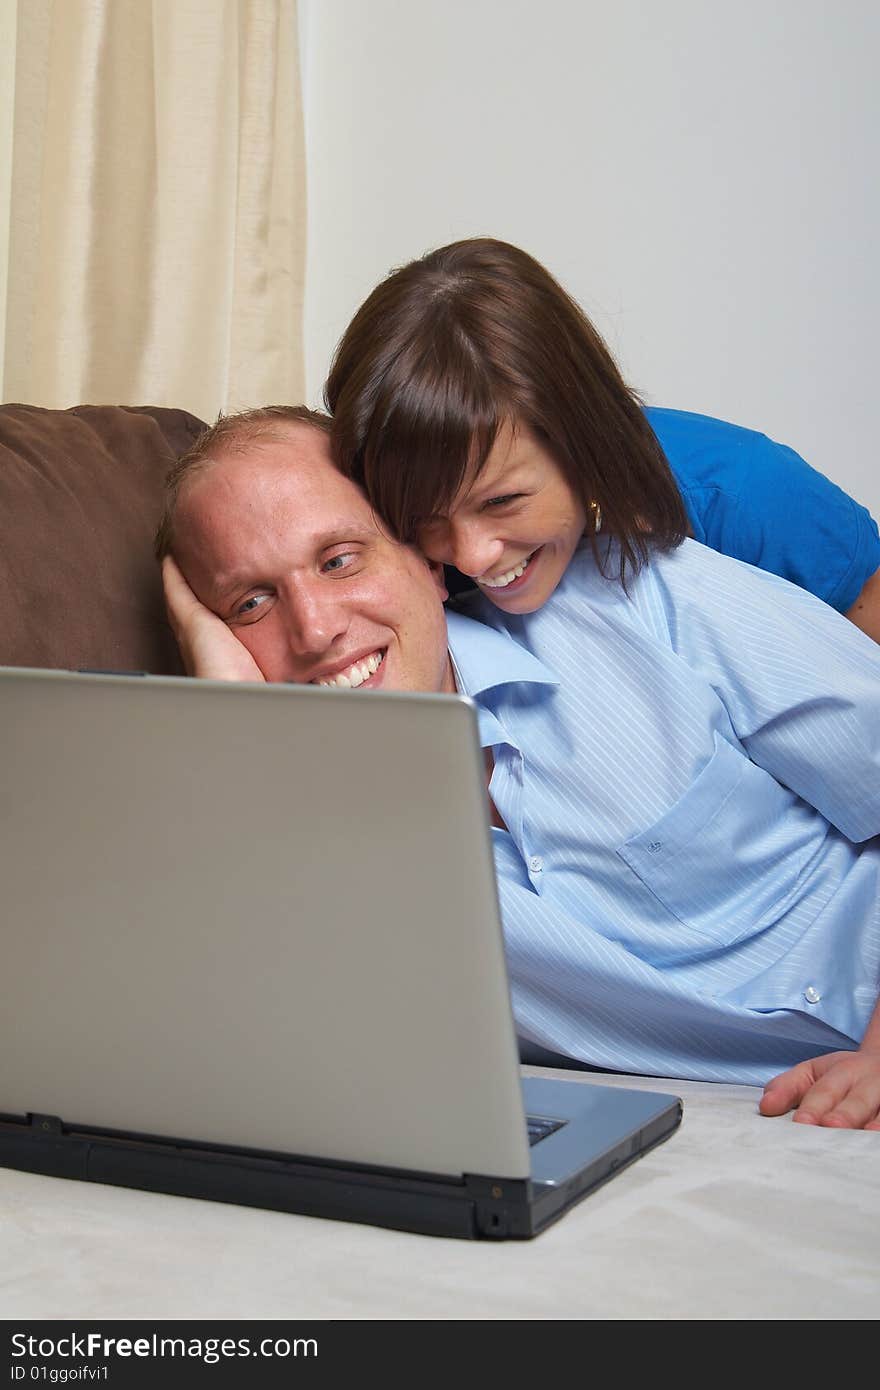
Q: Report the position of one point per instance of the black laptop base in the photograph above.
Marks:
(472, 1208)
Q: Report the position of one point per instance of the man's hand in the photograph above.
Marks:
(209, 649)
(840, 1090)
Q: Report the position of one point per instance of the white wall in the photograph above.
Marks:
(8, 25)
(703, 176)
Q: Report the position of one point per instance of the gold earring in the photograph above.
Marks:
(597, 516)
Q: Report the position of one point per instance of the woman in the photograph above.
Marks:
(487, 421)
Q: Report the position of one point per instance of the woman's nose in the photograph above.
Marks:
(470, 545)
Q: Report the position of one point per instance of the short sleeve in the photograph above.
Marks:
(800, 684)
(759, 501)
(795, 522)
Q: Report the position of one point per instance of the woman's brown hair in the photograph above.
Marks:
(448, 348)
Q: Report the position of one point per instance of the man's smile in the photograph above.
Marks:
(356, 673)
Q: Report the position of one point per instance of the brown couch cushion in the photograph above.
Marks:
(80, 497)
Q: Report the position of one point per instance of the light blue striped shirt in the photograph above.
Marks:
(690, 780)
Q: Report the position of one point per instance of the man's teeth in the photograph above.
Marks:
(355, 675)
(501, 581)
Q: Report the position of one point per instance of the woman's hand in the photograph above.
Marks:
(208, 647)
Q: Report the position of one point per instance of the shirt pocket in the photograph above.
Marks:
(728, 858)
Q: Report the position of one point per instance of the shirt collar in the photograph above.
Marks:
(485, 658)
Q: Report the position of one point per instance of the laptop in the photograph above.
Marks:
(252, 952)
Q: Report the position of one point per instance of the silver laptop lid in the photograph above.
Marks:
(261, 916)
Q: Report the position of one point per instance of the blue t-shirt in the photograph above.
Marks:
(761, 502)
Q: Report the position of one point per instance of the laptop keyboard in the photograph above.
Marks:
(539, 1129)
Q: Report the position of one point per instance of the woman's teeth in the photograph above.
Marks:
(501, 581)
(355, 675)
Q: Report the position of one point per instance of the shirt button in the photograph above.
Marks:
(536, 863)
(812, 995)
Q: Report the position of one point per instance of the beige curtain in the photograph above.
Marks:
(157, 229)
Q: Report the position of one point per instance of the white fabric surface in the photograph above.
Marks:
(735, 1216)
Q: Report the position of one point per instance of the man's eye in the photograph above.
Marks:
(338, 562)
(251, 605)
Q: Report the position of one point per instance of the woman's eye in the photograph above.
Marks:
(503, 500)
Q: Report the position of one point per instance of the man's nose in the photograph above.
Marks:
(316, 619)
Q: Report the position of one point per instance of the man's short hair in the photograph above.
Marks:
(231, 434)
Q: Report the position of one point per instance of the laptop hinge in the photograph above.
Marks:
(502, 1206)
(46, 1124)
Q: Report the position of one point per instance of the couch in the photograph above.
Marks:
(80, 498)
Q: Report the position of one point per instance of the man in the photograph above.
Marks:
(683, 780)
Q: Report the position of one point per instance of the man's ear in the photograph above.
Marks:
(438, 574)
